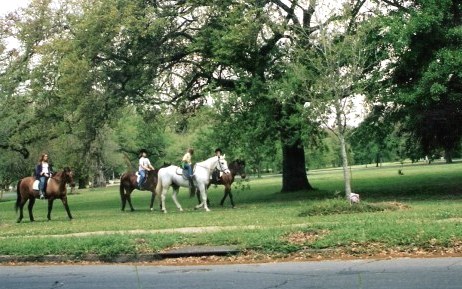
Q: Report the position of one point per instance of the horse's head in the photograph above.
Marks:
(222, 165)
(68, 177)
(238, 168)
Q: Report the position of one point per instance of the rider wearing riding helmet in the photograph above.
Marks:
(144, 167)
(216, 173)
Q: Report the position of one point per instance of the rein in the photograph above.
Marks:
(209, 169)
(60, 178)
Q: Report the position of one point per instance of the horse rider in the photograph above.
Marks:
(186, 164)
(43, 172)
(216, 172)
(144, 167)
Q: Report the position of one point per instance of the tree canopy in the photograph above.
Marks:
(95, 81)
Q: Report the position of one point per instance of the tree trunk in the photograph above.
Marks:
(83, 183)
(294, 176)
(346, 171)
(448, 155)
(343, 151)
(99, 180)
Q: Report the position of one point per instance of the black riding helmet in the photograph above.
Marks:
(142, 151)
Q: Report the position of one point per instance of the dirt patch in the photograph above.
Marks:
(301, 238)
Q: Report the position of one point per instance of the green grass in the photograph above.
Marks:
(420, 209)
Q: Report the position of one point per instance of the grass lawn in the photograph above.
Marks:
(419, 212)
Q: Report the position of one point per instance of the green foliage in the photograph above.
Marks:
(137, 130)
(425, 75)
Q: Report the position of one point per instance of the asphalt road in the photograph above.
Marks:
(435, 273)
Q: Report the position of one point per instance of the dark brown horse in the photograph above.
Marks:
(56, 189)
(237, 167)
(128, 183)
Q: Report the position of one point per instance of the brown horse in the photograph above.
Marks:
(56, 189)
(128, 183)
(237, 167)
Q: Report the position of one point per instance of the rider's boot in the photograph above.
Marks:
(42, 195)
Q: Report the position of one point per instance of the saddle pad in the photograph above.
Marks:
(35, 185)
(137, 177)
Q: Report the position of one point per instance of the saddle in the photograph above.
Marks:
(183, 172)
(36, 183)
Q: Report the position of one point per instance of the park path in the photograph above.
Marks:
(183, 230)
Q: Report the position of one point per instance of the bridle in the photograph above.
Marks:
(220, 166)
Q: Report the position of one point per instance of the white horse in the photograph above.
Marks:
(173, 176)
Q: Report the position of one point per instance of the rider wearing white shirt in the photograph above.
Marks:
(144, 167)
(43, 171)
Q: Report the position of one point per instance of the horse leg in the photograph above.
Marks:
(128, 196)
(153, 196)
(21, 203)
(175, 199)
(66, 206)
(29, 207)
(206, 189)
(198, 195)
(50, 207)
(203, 191)
(231, 199)
(162, 200)
(204, 199)
(224, 198)
(123, 198)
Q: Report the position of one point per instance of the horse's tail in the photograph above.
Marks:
(159, 184)
(121, 186)
(18, 198)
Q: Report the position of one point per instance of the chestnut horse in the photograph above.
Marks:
(56, 189)
(236, 167)
(128, 182)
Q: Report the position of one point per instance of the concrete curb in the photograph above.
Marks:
(192, 251)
